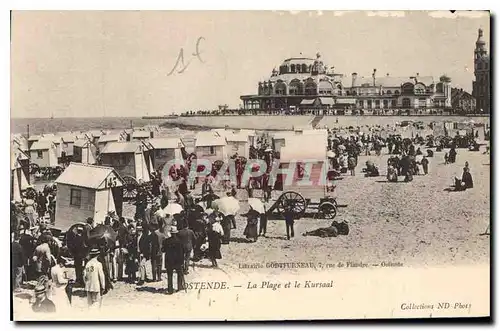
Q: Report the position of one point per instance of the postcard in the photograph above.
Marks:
(250, 165)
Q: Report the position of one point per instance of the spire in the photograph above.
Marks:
(480, 43)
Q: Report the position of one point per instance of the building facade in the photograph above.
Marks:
(462, 102)
(481, 87)
(305, 83)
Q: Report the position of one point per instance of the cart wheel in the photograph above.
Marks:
(328, 210)
(292, 202)
(130, 187)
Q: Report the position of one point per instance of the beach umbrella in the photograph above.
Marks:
(103, 233)
(330, 154)
(256, 205)
(227, 205)
(172, 209)
(160, 213)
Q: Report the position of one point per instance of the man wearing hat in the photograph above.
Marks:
(94, 278)
(42, 303)
(174, 260)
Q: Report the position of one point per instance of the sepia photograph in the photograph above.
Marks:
(250, 165)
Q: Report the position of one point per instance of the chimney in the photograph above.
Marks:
(354, 77)
(373, 76)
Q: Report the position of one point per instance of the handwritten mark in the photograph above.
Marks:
(181, 66)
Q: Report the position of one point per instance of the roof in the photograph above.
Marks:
(237, 137)
(141, 134)
(307, 101)
(387, 81)
(95, 133)
(89, 176)
(69, 138)
(304, 147)
(326, 101)
(42, 144)
(208, 138)
(81, 142)
(34, 138)
(109, 137)
(117, 147)
(166, 143)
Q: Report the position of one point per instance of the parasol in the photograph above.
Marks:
(227, 205)
(330, 154)
(256, 205)
(172, 209)
(103, 233)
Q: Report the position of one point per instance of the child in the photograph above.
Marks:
(446, 158)
(425, 165)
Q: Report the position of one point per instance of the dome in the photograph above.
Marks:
(298, 60)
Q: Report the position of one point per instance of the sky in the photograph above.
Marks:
(118, 63)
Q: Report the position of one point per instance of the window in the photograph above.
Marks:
(369, 104)
(396, 92)
(211, 150)
(75, 198)
(389, 92)
(377, 103)
(386, 103)
(394, 103)
(39, 154)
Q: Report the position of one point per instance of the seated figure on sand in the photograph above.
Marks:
(466, 182)
(392, 174)
(371, 169)
(333, 230)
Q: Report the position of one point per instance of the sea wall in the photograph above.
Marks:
(282, 122)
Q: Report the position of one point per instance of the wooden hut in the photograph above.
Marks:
(84, 151)
(87, 191)
(109, 138)
(44, 154)
(142, 135)
(211, 146)
(165, 150)
(307, 154)
(129, 158)
(18, 172)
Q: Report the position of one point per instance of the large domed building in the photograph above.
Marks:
(307, 83)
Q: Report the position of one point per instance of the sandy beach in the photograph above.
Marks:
(416, 224)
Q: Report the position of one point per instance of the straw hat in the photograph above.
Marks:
(173, 229)
(39, 289)
(94, 252)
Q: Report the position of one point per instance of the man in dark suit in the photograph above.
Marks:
(186, 236)
(18, 261)
(174, 260)
(144, 244)
(157, 241)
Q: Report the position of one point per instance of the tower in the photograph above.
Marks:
(481, 86)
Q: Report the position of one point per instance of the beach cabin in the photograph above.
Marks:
(142, 135)
(19, 173)
(109, 138)
(129, 159)
(165, 150)
(94, 135)
(211, 146)
(32, 140)
(307, 155)
(84, 151)
(44, 154)
(84, 191)
(68, 142)
(237, 143)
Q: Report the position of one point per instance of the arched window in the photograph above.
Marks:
(419, 88)
(304, 68)
(292, 68)
(389, 92)
(325, 87)
(310, 88)
(296, 87)
(408, 88)
(406, 103)
(439, 88)
(396, 92)
(354, 93)
(280, 88)
(386, 104)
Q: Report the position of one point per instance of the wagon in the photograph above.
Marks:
(132, 160)
(309, 191)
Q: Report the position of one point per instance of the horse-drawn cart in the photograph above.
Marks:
(308, 190)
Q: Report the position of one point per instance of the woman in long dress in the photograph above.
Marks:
(214, 235)
(59, 282)
(251, 231)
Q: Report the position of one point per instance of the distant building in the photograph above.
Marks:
(306, 83)
(462, 102)
(481, 87)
